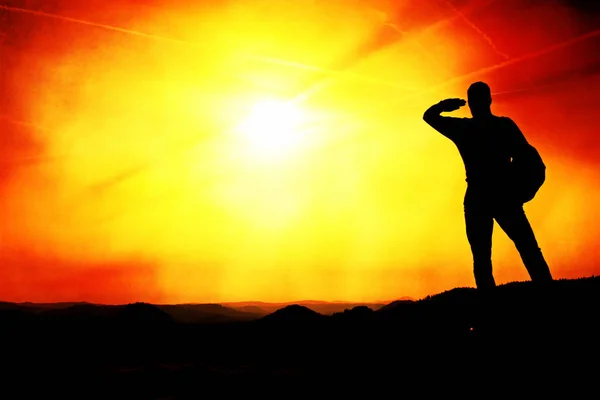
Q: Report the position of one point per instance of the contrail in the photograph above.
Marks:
(269, 60)
(481, 71)
(504, 64)
(517, 60)
(495, 67)
(466, 10)
(477, 29)
(528, 89)
(416, 36)
(94, 24)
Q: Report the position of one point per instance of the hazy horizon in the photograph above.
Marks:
(224, 303)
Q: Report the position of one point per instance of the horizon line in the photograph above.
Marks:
(291, 302)
(591, 276)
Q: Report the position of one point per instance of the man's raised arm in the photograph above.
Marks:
(432, 114)
(447, 126)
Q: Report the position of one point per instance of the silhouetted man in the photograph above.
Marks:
(487, 143)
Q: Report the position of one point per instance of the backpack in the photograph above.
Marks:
(528, 174)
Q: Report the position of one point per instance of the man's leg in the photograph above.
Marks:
(514, 222)
(480, 225)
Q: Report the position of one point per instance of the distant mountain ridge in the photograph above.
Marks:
(180, 313)
(196, 312)
(322, 307)
(453, 311)
(452, 307)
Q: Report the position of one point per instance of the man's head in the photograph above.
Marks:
(479, 98)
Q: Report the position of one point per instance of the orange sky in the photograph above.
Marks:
(133, 167)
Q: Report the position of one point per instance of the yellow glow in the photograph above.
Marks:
(183, 164)
(271, 128)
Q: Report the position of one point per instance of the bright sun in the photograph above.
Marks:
(271, 128)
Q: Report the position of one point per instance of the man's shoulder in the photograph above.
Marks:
(504, 118)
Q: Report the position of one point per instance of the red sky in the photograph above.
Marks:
(125, 175)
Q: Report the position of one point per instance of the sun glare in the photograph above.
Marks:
(276, 151)
(272, 128)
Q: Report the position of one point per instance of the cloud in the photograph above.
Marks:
(30, 276)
